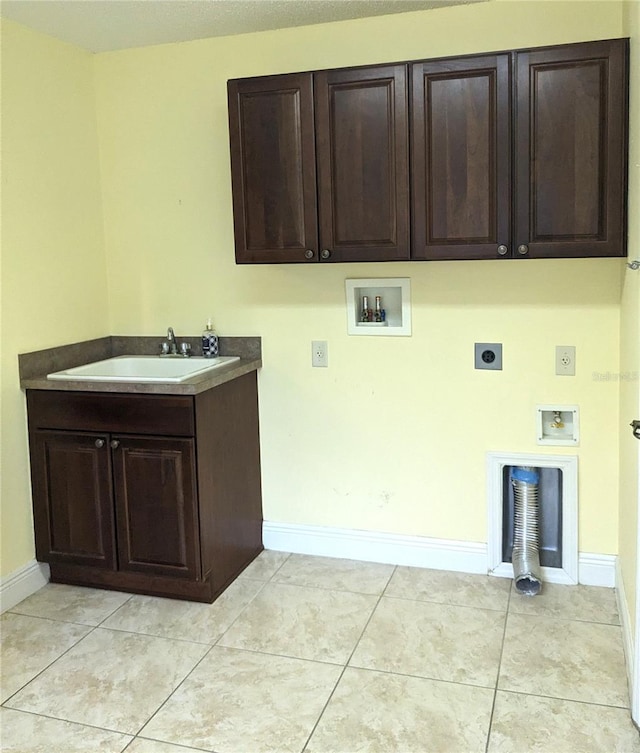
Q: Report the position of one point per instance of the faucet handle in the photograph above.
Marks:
(185, 349)
(164, 349)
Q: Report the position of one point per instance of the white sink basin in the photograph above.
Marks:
(143, 369)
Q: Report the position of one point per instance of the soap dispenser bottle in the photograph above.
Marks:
(209, 341)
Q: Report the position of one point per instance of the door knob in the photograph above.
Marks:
(308, 254)
(503, 250)
(325, 253)
(99, 443)
(114, 444)
(523, 250)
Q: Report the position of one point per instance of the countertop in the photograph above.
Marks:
(35, 366)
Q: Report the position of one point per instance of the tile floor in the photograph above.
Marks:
(318, 655)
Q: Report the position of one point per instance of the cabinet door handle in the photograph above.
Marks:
(325, 253)
(523, 250)
(308, 254)
(114, 444)
(503, 250)
(99, 443)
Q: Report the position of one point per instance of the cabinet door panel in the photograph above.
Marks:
(570, 148)
(73, 510)
(156, 506)
(362, 160)
(460, 158)
(273, 168)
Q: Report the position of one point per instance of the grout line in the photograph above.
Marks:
(142, 634)
(325, 588)
(70, 721)
(344, 669)
(502, 610)
(244, 649)
(209, 650)
(92, 629)
(240, 613)
(558, 618)
(178, 746)
(52, 619)
(420, 677)
(495, 690)
(565, 700)
(179, 685)
(117, 609)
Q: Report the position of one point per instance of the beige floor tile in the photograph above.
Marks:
(28, 645)
(586, 603)
(86, 606)
(265, 565)
(529, 724)
(239, 701)
(306, 623)
(578, 661)
(372, 712)
(336, 574)
(110, 679)
(186, 620)
(140, 745)
(444, 587)
(30, 733)
(439, 641)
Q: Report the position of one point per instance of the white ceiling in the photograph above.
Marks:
(103, 25)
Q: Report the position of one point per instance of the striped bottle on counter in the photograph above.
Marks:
(210, 341)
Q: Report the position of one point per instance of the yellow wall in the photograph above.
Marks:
(630, 337)
(53, 259)
(393, 435)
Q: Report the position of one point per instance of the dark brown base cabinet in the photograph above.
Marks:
(154, 494)
(515, 154)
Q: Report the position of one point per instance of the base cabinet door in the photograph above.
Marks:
(71, 477)
(155, 496)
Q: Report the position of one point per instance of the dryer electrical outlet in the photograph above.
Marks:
(488, 356)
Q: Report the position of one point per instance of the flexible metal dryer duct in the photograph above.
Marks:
(526, 554)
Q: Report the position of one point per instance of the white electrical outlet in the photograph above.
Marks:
(565, 360)
(319, 353)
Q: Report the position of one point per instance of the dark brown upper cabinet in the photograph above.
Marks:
(350, 128)
(507, 155)
(520, 154)
(571, 150)
(362, 157)
(461, 158)
(273, 163)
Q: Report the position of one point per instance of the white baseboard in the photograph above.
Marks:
(414, 551)
(627, 633)
(597, 569)
(371, 546)
(22, 583)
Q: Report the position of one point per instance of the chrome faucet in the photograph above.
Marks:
(170, 346)
(173, 343)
